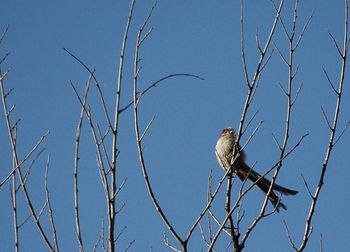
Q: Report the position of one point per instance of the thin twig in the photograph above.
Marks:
(96, 244)
(167, 243)
(154, 84)
(244, 62)
(26, 157)
(252, 135)
(297, 94)
(289, 235)
(335, 44)
(281, 54)
(103, 236)
(306, 25)
(341, 133)
(31, 165)
(129, 245)
(329, 81)
(4, 33)
(249, 122)
(276, 141)
(50, 211)
(146, 129)
(307, 186)
(120, 187)
(102, 142)
(2, 61)
(326, 118)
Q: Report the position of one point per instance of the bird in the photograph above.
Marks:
(224, 153)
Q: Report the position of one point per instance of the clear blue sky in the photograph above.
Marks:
(199, 37)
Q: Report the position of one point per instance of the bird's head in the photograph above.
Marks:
(228, 132)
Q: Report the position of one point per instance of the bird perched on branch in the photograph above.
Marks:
(235, 161)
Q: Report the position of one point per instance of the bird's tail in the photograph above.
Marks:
(244, 171)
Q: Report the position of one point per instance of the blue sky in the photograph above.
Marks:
(199, 37)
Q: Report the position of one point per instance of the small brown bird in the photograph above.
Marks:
(224, 153)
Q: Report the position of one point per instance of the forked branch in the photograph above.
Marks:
(343, 53)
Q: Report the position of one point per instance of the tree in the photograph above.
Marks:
(207, 225)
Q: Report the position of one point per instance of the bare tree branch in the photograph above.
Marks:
(321, 243)
(112, 202)
(342, 133)
(253, 83)
(249, 122)
(76, 167)
(290, 64)
(48, 200)
(307, 186)
(252, 135)
(335, 44)
(289, 236)
(146, 129)
(281, 55)
(129, 245)
(329, 81)
(332, 130)
(9, 126)
(102, 143)
(99, 155)
(92, 73)
(167, 243)
(139, 145)
(13, 194)
(306, 25)
(234, 233)
(26, 157)
(244, 62)
(2, 61)
(326, 118)
(31, 165)
(154, 84)
(4, 33)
